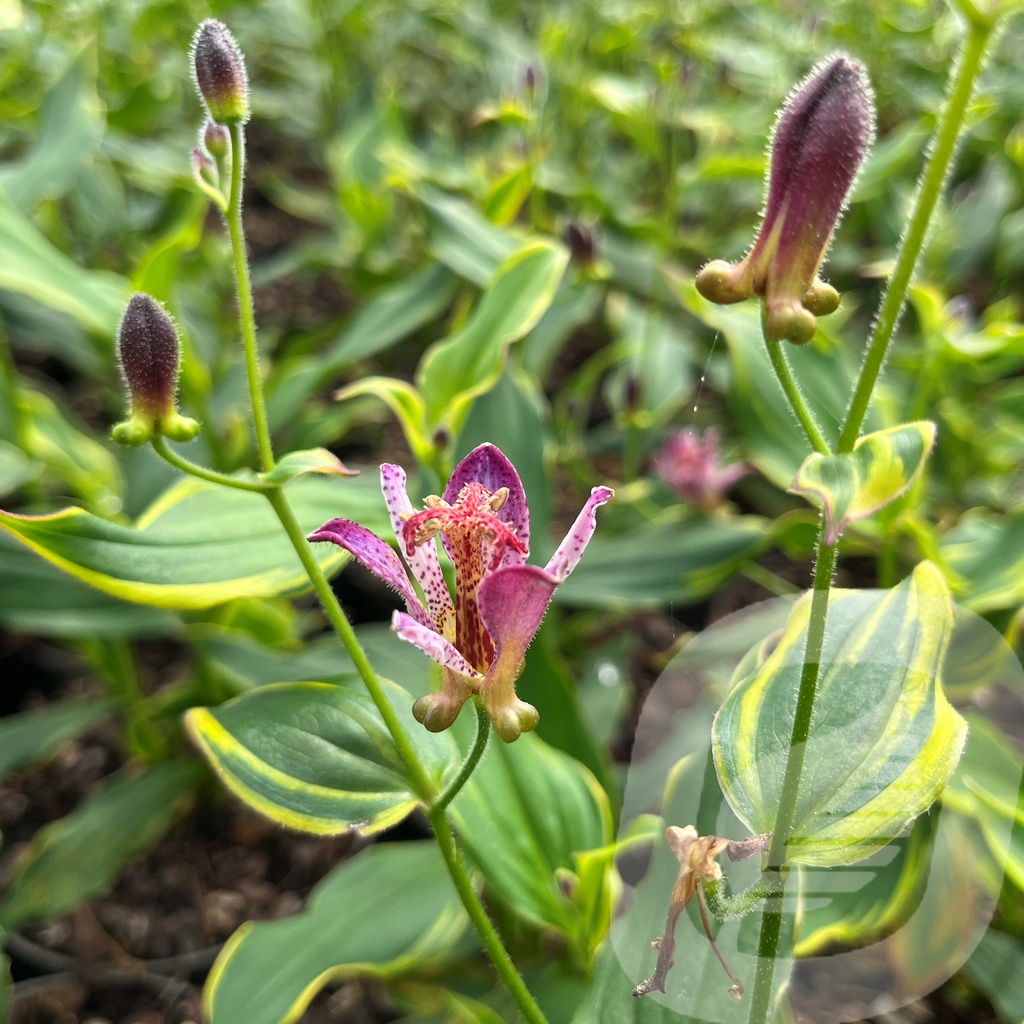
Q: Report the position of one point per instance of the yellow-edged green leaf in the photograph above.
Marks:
(38, 598)
(388, 910)
(407, 405)
(31, 266)
(855, 485)
(79, 856)
(15, 468)
(984, 553)
(549, 808)
(853, 906)
(468, 364)
(313, 460)
(199, 544)
(884, 739)
(316, 756)
(82, 462)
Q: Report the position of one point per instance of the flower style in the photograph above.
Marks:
(819, 143)
(689, 465)
(480, 639)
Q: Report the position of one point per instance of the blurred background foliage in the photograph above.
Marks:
(397, 153)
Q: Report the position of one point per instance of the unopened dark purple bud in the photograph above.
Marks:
(582, 244)
(148, 351)
(220, 75)
(821, 138)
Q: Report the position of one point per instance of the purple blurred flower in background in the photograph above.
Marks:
(689, 464)
(480, 639)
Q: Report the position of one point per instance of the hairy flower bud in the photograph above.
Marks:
(148, 352)
(219, 70)
(216, 139)
(820, 140)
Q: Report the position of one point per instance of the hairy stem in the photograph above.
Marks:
(483, 924)
(419, 778)
(246, 311)
(483, 732)
(780, 364)
(168, 454)
(951, 122)
(771, 918)
(950, 125)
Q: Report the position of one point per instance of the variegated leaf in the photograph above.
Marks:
(884, 739)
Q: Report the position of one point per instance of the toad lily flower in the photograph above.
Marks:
(820, 140)
(480, 639)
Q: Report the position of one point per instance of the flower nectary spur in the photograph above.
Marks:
(481, 637)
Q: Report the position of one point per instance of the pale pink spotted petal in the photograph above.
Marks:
(569, 552)
(423, 561)
(432, 644)
(512, 603)
(488, 466)
(377, 556)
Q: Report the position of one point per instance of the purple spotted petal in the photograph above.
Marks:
(569, 552)
(377, 556)
(512, 603)
(423, 561)
(488, 466)
(432, 644)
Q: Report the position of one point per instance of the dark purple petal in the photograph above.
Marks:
(569, 552)
(423, 561)
(433, 645)
(377, 556)
(488, 466)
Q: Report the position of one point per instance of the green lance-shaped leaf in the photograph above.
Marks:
(884, 740)
(469, 363)
(32, 266)
(34, 736)
(199, 544)
(315, 756)
(390, 909)
(855, 485)
(79, 856)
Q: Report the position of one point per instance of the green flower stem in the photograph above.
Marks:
(780, 364)
(339, 621)
(419, 777)
(951, 122)
(233, 217)
(421, 781)
(483, 924)
(771, 918)
(168, 454)
(483, 732)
